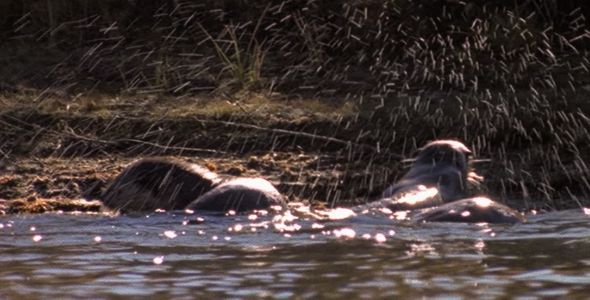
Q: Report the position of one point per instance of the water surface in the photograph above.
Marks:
(178, 256)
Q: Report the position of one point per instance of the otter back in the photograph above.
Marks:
(158, 183)
(243, 194)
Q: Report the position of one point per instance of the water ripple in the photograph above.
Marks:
(176, 256)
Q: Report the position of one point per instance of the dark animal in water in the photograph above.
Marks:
(168, 184)
(239, 195)
(438, 181)
(439, 174)
(435, 188)
(158, 183)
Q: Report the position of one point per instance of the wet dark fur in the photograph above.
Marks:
(436, 187)
(158, 183)
(239, 195)
(440, 164)
(436, 181)
(163, 183)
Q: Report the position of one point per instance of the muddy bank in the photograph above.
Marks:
(48, 161)
(36, 185)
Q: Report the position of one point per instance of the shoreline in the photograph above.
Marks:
(332, 159)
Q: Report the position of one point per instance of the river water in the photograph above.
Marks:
(182, 256)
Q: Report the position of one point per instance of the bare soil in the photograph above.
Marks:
(56, 154)
(56, 161)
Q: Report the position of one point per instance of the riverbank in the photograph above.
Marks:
(324, 99)
(313, 150)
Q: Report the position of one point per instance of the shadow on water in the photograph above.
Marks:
(251, 257)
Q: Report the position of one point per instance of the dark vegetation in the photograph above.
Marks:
(358, 81)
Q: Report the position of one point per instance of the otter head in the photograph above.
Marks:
(440, 164)
(438, 156)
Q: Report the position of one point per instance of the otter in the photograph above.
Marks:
(158, 183)
(240, 195)
(169, 184)
(436, 189)
(439, 174)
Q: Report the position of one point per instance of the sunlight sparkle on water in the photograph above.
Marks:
(170, 234)
(386, 211)
(158, 260)
(317, 226)
(236, 228)
(348, 233)
(400, 215)
(285, 223)
(380, 238)
(338, 213)
(389, 260)
(482, 201)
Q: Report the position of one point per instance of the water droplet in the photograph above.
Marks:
(380, 238)
(170, 234)
(317, 226)
(158, 260)
(345, 233)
